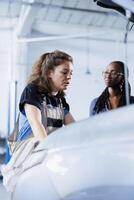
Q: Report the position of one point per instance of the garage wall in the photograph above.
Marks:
(83, 88)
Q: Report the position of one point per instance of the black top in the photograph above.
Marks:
(53, 109)
(33, 96)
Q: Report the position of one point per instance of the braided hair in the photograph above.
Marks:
(102, 100)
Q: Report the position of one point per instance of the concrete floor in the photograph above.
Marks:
(4, 195)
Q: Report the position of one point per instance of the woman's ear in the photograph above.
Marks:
(49, 73)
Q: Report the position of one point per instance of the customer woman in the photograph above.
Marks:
(114, 95)
(43, 105)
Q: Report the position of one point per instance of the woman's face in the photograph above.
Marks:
(113, 75)
(60, 76)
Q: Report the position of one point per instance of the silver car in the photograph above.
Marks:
(91, 159)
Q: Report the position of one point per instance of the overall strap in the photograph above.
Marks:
(13, 135)
(52, 114)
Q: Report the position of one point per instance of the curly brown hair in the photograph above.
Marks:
(41, 68)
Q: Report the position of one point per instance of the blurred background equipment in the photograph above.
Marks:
(119, 6)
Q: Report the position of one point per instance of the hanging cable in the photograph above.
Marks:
(88, 52)
(126, 59)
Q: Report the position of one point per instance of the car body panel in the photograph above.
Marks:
(90, 159)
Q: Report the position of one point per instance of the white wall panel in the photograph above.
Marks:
(83, 88)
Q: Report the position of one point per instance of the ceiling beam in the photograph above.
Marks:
(74, 36)
(89, 11)
(94, 33)
(41, 5)
(26, 19)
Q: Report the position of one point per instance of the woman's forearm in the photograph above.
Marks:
(35, 120)
(38, 130)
